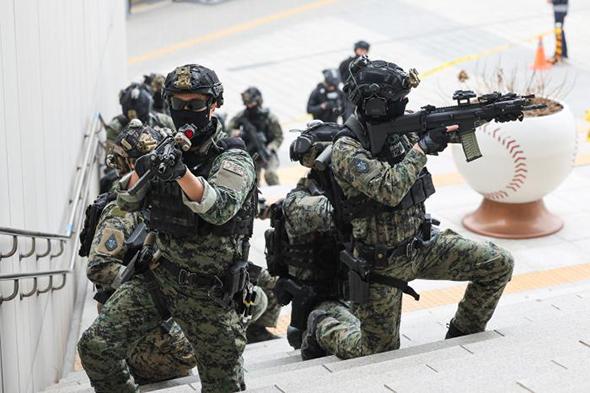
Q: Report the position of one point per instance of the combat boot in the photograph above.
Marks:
(310, 348)
(294, 337)
(256, 334)
(454, 331)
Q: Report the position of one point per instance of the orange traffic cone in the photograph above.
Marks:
(541, 62)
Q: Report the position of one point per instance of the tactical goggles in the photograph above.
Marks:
(193, 105)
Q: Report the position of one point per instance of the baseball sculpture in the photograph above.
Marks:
(522, 162)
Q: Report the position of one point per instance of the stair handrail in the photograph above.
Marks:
(82, 187)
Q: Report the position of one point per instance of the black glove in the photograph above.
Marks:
(170, 167)
(143, 164)
(509, 117)
(434, 141)
(143, 260)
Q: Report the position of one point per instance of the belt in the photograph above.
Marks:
(187, 278)
(379, 255)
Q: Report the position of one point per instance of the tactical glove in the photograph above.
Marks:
(143, 261)
(143, 164)
(170, 168)
(434, 141)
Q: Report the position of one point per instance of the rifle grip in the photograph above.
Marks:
(470, 146)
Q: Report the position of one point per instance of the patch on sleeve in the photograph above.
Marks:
(360, 166)
(111, 243)
(231, 176)
(233, 167)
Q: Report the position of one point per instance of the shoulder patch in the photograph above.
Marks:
(111, 243)
(360, 166)
(232, 167)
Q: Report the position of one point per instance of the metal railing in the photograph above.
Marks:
(75, 218)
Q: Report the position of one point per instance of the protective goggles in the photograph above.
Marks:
(193, 105)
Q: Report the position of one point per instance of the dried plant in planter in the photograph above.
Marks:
(546, 90)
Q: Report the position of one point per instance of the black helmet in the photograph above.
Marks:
(133, 142)
(136, 102)
(252, 96)
(378, 88)
(194, 78)
(361, 45)
(331, 77)
(312, 141)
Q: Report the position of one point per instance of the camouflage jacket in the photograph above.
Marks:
(230, 180)
(118, 123)
(357, 172)
(306, 214)
(266, 122)
(105, 261)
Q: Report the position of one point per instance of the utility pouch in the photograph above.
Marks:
(93, 213)
(358, 271)
(358, 288)
(235, 279)
(254, 272)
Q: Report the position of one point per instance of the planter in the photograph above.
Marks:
(522, 162)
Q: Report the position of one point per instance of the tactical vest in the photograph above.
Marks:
(171, 216)
(394, 152)
(315, 261)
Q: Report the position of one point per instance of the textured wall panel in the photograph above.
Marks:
(60, 62)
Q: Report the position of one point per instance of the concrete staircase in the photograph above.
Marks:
(539, 343)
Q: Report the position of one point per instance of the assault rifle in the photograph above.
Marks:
(255, 141)
(467, 114)
(163, 157)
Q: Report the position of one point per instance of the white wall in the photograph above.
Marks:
(60, 61)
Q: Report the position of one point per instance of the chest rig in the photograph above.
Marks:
(171, 216)
(393, 153)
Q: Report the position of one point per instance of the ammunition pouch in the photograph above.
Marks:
(362, 207)
(169, 215)
(93, 213)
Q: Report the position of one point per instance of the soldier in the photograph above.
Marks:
(303, 244)
(155, 82)
(164, 352)
(268, 310)
(136, 103)
(361, 48)
(202, 203)
(393, 238)
(262, 133)
(326, 102)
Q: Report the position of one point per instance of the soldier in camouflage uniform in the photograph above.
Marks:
(164, 352)
(269, 308)
(268, 130)
(155, 82)
(136, 103)
(303, 244)
(384, 196)
(202, 209)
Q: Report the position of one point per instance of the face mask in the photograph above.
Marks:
(198, 119)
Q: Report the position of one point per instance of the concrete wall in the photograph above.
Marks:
(60, 62)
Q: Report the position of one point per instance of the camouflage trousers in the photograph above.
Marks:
(270, 172)
(449, 256)
(216, 332)
(272, 308)
(164, 353)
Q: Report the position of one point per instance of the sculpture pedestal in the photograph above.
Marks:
(512, 220)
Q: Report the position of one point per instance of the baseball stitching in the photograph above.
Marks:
(519, 164)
